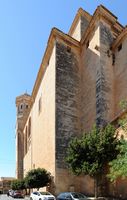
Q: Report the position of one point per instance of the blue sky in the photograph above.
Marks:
(25, 26)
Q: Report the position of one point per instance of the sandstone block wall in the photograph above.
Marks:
(66, 181)
(80, 27)
(120, 71)
(105, 78)
(42, 146)
(84, 25)
(90, 59)
(19, 155)
(79, 87)
(68, 100)
(68, 118)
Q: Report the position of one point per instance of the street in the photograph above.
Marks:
(5, 197)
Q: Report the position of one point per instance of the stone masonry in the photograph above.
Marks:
(81, 81)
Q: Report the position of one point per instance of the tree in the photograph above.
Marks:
(18, 184)
(118, 166)
(37, 178)
(91, 154)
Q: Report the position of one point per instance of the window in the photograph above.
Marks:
(29, 127)
(113, 59)
(68, 49)
(36, 193)
(119, 47)
(87, 44)
(21, 106)
(68, 197)
(97, 48)
(27, 106)
(39, 106)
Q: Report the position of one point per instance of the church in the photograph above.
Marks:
(81, 81)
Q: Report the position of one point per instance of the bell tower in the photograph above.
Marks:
(23, 105)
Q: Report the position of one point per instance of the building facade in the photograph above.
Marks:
(5, 184)
(23, 104)
(81, 80)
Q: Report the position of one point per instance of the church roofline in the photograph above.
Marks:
(108, 11)
(102, 13)
(119, 39)
(107, 14)
(80, 13)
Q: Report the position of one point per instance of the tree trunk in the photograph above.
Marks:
(96, 187)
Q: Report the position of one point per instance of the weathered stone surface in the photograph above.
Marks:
(104, 79)
(84, 24)
(79, 84)
(106, 36)
(67, 100)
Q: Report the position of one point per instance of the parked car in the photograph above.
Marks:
(10, 192)
(17, 194)
(71, 196)
(42, 196)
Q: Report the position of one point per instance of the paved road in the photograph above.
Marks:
(5, 197)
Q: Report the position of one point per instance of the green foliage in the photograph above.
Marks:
(118, 167)
(123, 104)
(123, 121)
(37, 178)
(90, 154)
(18, 184)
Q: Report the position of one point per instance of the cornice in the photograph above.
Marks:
(103, 9)
(66, 38)
(110, 18)
(54, 36)
(102, 13)
(119, 39)
(80, 13)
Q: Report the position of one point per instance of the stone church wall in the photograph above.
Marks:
(68, 108)
(120, 71)
(105, 78)
(42, 151)
(82, 84)
(90, 61)
(67, 100)
(80, 28)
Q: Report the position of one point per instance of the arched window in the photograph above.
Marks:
(27, 106)
(21, 106)
(29, 127)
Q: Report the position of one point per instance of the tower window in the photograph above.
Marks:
(27, 106)
(21, 106)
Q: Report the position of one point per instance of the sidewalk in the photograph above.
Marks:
(27, 197)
